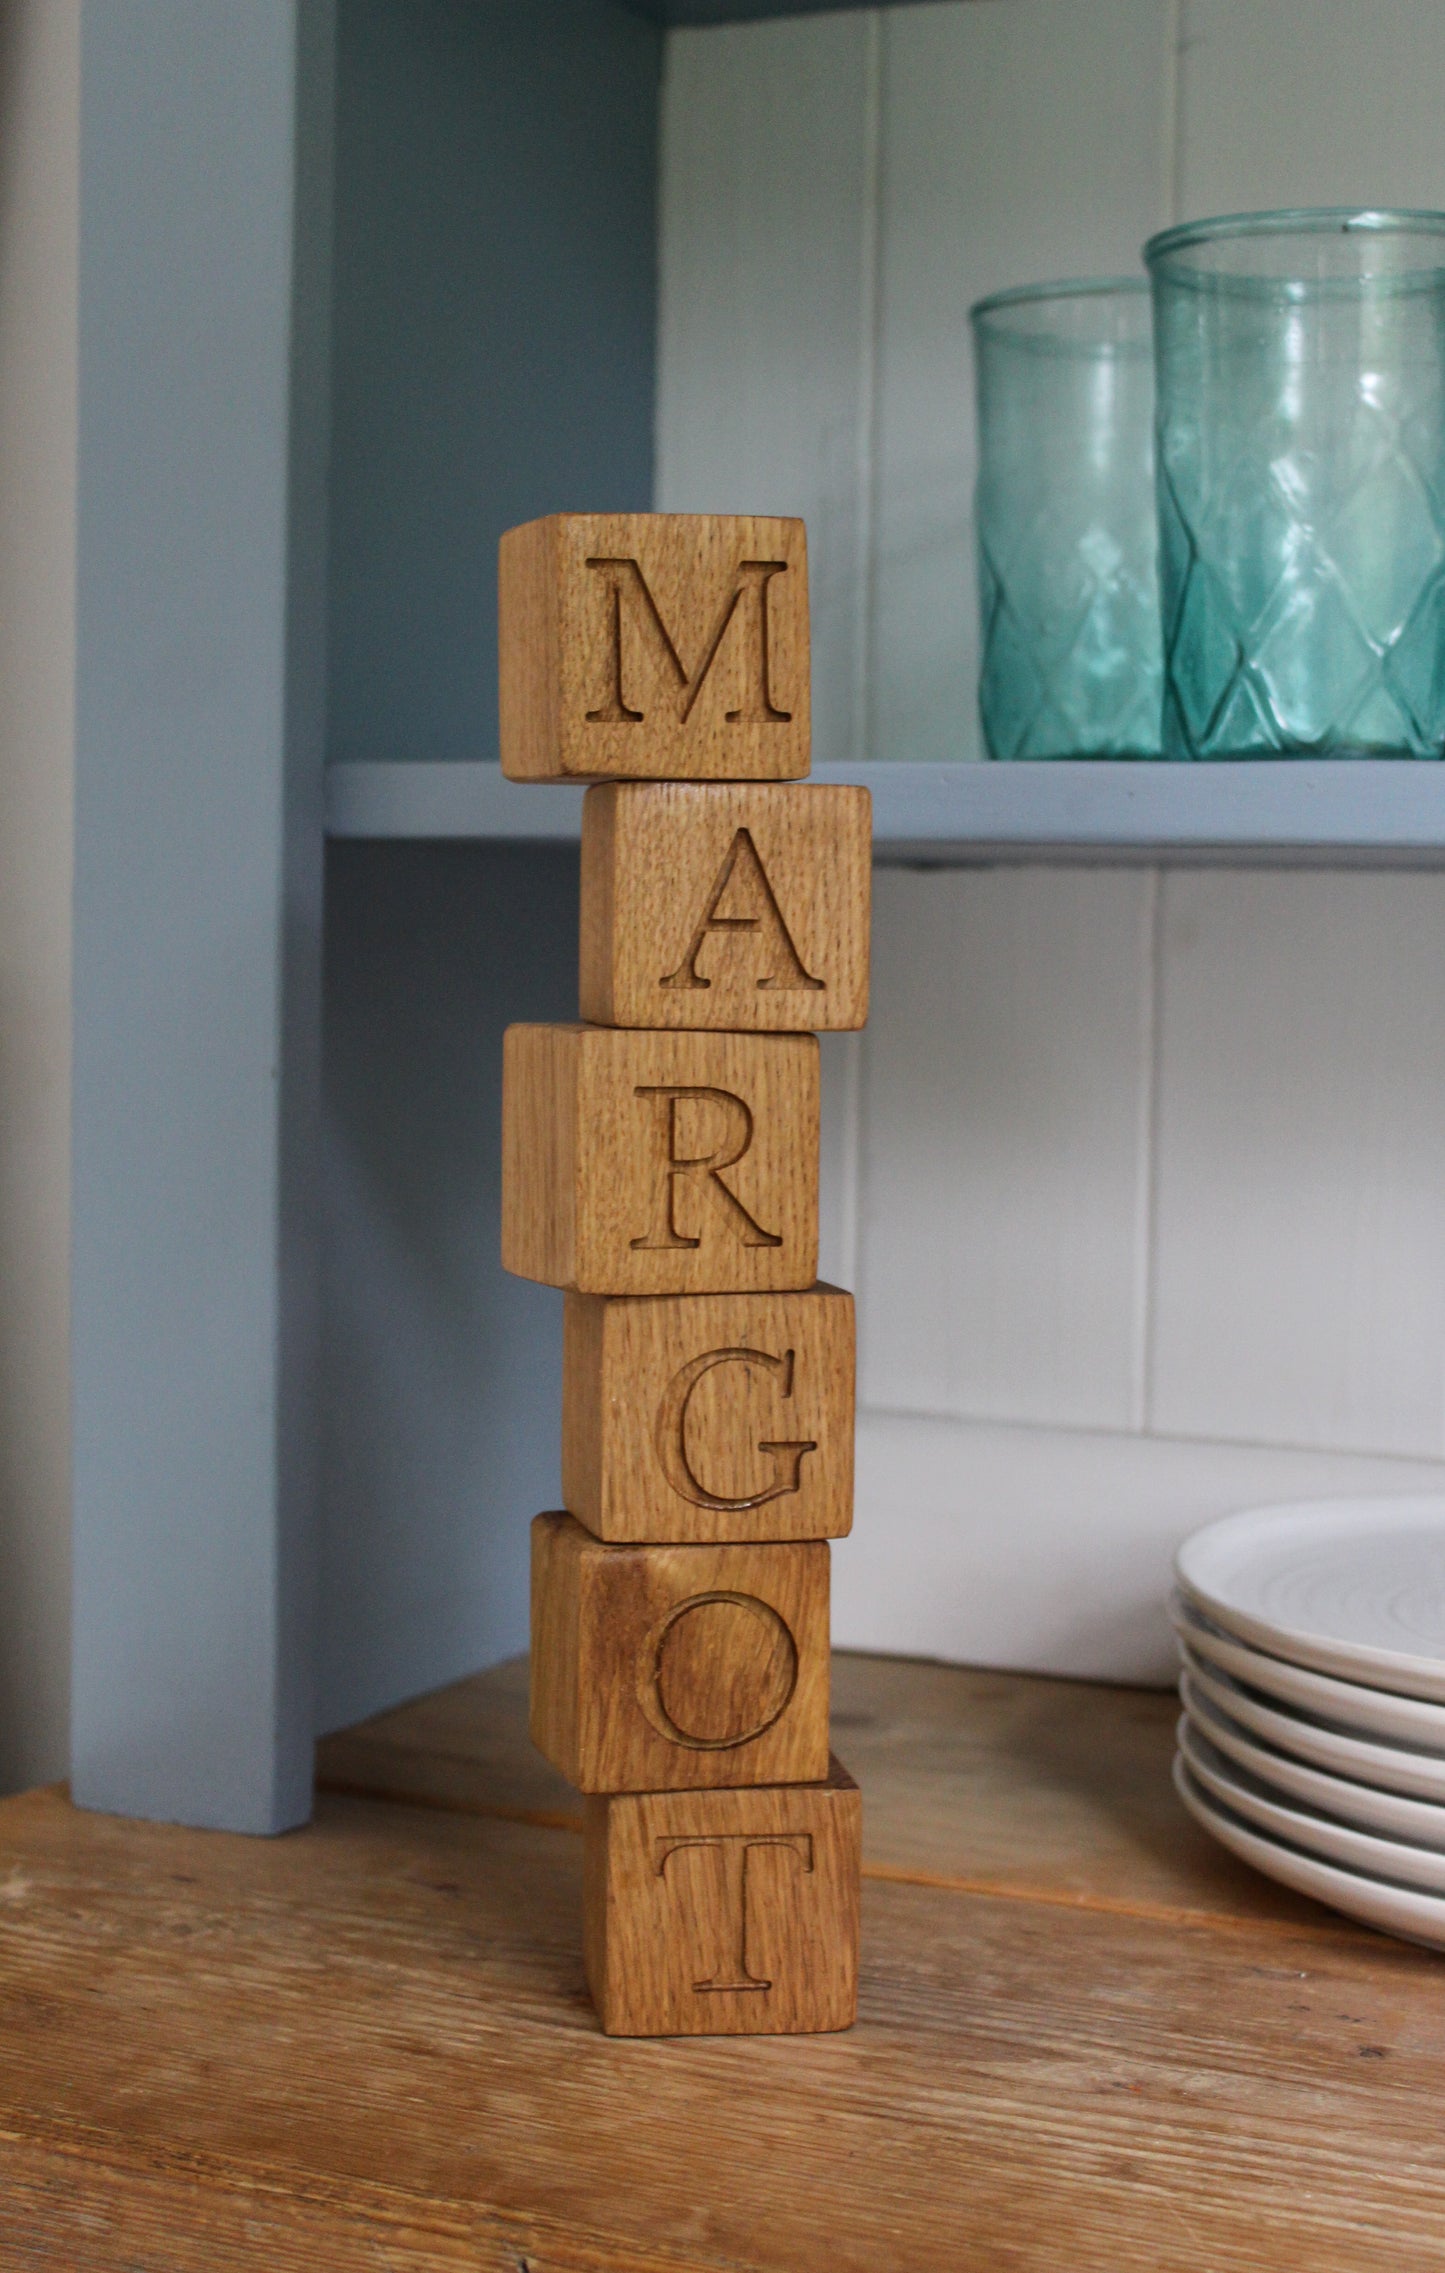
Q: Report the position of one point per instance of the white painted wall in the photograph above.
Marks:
(1140, 1175)
(39, 142)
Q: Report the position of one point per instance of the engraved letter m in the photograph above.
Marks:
(630, 600)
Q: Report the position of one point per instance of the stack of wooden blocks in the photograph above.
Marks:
(660, 1163)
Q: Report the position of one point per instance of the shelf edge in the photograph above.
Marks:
(1364, 812)
(422, 798)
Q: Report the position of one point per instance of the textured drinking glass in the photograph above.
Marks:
(1301, 450)
(1067, 532)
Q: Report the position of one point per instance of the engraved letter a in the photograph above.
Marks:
(752, 907)
(629, 598)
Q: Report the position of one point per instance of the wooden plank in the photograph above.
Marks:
(75, 2195)
(467, 1747)
(200, 709)
(1049, 1791)
(1300, 1209)
(402, 1991)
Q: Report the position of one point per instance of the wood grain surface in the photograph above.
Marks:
(678, 1668)
(725, 905)
(659, 1163)
(1054, 1792)
(369, 2044)
(654, 646)
(709, 1417)
(724, 1913)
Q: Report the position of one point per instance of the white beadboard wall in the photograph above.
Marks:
(1140, 1175)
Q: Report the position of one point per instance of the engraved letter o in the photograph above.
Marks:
(717, 1671)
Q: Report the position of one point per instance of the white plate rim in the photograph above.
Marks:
(1380, 1712)
(1367, 1806)
(1399, 1910)
(1402, 1672)
(1415, 1775)
(1363, 1852)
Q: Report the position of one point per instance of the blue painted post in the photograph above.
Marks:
(205, 266)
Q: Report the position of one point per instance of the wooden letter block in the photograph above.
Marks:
(725, 906)
(709, 1417)
(678, 1668)
(654, 646)
(724, 1913)
(659, 1163)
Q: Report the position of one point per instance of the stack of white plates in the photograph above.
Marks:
(1313, 1737)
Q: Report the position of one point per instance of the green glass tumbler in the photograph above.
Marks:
(1067, 533)
(1301, 472)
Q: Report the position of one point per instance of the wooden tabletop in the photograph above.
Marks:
(1089, 2041)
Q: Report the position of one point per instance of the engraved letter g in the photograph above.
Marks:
(671, 1433)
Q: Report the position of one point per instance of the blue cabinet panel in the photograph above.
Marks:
(441, 1376)
(495, 317)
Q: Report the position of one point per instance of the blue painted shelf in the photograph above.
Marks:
(682, 13)
(1366, 813)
